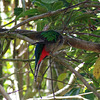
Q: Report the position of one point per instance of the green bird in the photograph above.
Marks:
(52, 41)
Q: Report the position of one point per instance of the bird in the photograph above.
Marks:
(52, 41)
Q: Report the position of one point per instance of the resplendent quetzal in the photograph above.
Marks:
(52, 41)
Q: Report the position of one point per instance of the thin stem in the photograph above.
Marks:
(51, 78)
(6, 48)
(21, 60)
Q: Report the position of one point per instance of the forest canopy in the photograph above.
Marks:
(72, 72)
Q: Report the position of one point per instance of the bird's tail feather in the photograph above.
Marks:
(37, 68)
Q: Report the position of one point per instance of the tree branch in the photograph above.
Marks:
(21, 60)
(88, 34)
(92, 5)
(6, 48)
(63, 97)
(82, 44)
(88, 93)
(3, 92)
(32, 36)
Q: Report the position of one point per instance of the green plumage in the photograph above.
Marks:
(50, 36)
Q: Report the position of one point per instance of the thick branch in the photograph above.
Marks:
(82, 44)
(30, 36)
(3, 92)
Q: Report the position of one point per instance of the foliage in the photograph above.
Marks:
(82, 22)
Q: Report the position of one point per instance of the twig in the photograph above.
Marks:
(88, 34)
(21, 60)
(63, 97)
(88, 93)
(22, 37)
(3, 92)
(51, 78)
(92, 5)
(5, 77)
(6, 48)
(8, 23)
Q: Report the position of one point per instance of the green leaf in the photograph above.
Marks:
(83, 16)
(18, 11)
(28, 12)
(89, 57)
(66, 2)
(42, 9)
(49, 1)
(57, 5)
(96, 71)
(41, 24)
(61, 77)
(96, 32)
(89, 96)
